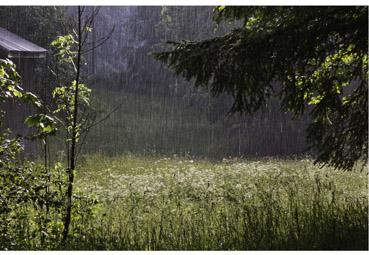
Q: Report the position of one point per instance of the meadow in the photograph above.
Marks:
(162, 203)
(118, 152)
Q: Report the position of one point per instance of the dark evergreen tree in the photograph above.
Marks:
(318, 56)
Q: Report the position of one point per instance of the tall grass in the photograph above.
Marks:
(157, 203)
(178, 204)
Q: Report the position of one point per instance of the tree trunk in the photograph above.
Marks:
(71, 169)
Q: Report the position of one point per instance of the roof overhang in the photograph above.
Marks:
(14, 46)
(25, 54)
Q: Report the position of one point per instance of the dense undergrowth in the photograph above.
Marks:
(150, 203)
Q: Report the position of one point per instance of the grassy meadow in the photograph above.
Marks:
(161, 203)
(130, 195)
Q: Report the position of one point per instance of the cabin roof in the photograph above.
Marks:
(15, 46)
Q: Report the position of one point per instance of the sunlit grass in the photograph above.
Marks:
(179, 203)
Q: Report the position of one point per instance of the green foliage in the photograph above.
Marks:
(72, 103)
(45, 124)
(10, 87)
(24, 190)
(64, 100)
(66, 46)
(313, 56)
(9, 81)
(31, 196)
(32, 206)
(64, 97)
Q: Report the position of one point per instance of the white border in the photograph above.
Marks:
(185, 252)
(194, 3)
(183, 2)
